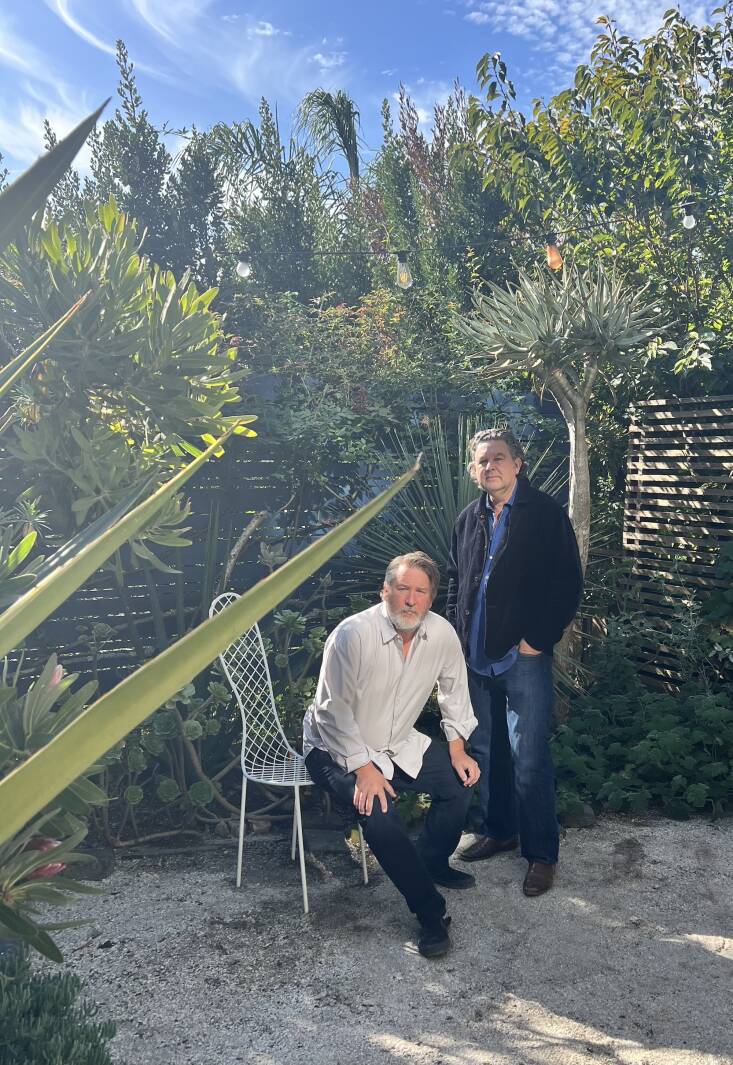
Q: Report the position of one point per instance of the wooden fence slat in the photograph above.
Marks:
(678, 511)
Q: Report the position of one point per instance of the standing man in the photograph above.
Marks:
(379, 669)
(514, 585)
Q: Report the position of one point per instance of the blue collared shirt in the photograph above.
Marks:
(496, 535)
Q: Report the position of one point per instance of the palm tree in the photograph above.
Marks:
(566, 333)
(332, 121)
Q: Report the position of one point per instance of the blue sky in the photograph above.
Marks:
(202, 61)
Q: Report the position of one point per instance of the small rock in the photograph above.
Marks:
(584, 817)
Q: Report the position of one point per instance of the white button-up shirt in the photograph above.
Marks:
(369, 695)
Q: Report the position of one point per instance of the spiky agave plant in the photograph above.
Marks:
(566, 333)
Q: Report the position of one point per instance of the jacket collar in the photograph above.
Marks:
(522, 493)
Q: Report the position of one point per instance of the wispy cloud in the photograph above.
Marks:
(21, 125)
(20, 55)
(329, 60)
(63, 9)
(266, 29)
(39, 92)
(570, 25)
(254, 56)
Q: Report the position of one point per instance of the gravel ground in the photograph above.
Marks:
(629, 961)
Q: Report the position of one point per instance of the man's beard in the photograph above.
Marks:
(400, 619)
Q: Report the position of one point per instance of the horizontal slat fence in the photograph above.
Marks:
(679, 509)
(239, 485)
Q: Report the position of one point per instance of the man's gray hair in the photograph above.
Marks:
(484, 436)
(415, 560)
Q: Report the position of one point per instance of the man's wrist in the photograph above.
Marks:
(456, 748)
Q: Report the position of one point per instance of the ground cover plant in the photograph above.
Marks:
(42, 1020)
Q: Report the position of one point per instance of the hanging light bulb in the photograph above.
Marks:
(688, 219)
(244, 269)
(404, 275)
(554, 258)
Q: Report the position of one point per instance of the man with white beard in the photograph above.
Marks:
(380, 667)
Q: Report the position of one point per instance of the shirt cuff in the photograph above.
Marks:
(356, 761)
(458, 730)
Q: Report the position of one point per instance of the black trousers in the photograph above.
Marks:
(406, 864)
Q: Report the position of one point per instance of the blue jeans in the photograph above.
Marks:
(512, 746)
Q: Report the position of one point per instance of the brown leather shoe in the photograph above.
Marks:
(485, 847)
(538, 879)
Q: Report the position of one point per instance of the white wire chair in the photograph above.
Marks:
(267, 757)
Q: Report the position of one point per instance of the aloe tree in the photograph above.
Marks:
(566, 333)
(332, 121)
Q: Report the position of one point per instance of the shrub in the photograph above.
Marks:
(627, 748)
(42, 1022)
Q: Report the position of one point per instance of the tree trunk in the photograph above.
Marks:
(574, 406)
(579, 505)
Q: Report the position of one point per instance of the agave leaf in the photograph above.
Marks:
(34, 784)
(20, 201)
(35, 606)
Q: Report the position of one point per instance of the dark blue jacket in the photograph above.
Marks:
(535, 585)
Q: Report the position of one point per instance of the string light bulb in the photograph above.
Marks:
(403, 278)
(554, 258)
(688, 219)
(244, 269)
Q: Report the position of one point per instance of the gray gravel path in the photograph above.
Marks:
(629, 961)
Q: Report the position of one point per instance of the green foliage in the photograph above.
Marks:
(609, 162)
(14, 549)
(172, 757)
(131, 165)
(626, 748)
(559, 328)
(146, 343)
(28, 720)
(283, 207)
(42, 1021)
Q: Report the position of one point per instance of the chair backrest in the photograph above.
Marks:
(266, 753)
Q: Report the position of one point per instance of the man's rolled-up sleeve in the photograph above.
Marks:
(335, 698)
(457, 717)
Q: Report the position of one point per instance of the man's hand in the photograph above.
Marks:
(371, 784)
(465, 766)
(525, 648)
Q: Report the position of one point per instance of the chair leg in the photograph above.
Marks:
(240, 854)
(299, 826)
(365, 874)
(295, 829)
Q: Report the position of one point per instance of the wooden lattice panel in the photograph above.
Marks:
(679, 509)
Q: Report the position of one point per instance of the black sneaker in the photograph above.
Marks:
(452, 878)
(434, 941)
